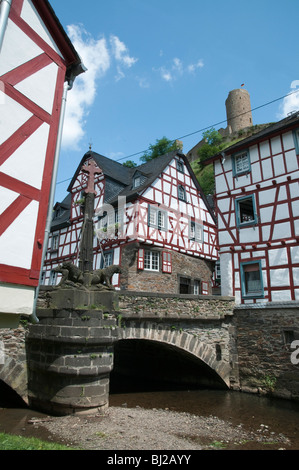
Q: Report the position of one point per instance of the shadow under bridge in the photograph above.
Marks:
(162, 357)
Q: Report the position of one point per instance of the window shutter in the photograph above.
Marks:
(204, 288)
(166, 262)
(141, 259)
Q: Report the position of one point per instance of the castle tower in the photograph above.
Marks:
(238, 110)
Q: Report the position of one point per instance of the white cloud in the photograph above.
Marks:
(121, 55)
(177, 69)
(96, 55)
(291, 101)
(193, 67)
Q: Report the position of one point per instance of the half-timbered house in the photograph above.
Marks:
(153, 221)
(257, 206)
(37, 64)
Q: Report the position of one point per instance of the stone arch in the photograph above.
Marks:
(183, 340)
(14, 374)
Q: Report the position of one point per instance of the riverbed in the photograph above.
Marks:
(169, 420)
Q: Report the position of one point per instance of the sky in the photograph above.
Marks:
(160, 68)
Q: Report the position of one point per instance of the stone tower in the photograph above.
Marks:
(238, 110)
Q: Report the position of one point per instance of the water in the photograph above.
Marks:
(253, 412)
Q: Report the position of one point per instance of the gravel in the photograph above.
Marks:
(122, 428)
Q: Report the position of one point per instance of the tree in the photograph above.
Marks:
(130, 164)
(161, 147)
(213, 144)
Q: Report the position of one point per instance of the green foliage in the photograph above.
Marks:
(10, 442)
(130, 164)
(213, 144)
(161, 147)
(206, 179)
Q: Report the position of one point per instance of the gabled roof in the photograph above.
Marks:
(124, 176)
(288, 123)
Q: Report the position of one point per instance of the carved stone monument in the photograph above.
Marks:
(70, 350)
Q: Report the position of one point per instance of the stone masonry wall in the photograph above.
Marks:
(184, 321)
(264, 338)
(13, 367)
(133, 279)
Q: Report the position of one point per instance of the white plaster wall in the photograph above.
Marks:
(40, 87)
(278, 257)
(12, 116)
(279, 277)
(16, 299)
(29, 169)
(17, 49)
(16, 243)
(30, 15)
(226, 274)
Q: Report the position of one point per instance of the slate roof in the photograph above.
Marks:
(120, 180)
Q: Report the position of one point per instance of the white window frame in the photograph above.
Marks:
(180, 166)
(241, 163)
(195, 231)
(107, 255)
(157, 218)
(136, 181)
(53, 278)
(196, 287)
(55, 242)
(182, 195)
(151, 260)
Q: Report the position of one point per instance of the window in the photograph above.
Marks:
(157, 218)
(136, 181)
(185, 285)
(107, 259)
(166, 262)
(245, 211)
(252, 280)
(195, 231)
(55, 242)
(296, 140)
(241, 163)
(43, 278)
(180, 166)
(182, 193)
(53, 278)
(217, 270)
(151, 260)
(196, 287)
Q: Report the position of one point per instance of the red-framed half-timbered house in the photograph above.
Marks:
(257, 205)
(37, 64)
(152, 220)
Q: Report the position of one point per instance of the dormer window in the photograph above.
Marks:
(241, 163)
(136, 181)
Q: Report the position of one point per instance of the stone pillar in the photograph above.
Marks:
(70, 357)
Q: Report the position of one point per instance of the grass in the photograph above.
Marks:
(10, 442)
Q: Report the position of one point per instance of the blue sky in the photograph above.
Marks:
(165, 67)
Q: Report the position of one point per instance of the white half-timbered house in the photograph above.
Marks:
(37, 60)
(152, 220)
(257, 206)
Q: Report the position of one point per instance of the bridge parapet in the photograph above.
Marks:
(155, 306)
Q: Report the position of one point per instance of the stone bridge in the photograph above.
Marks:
(85, 343)
(65, 361)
